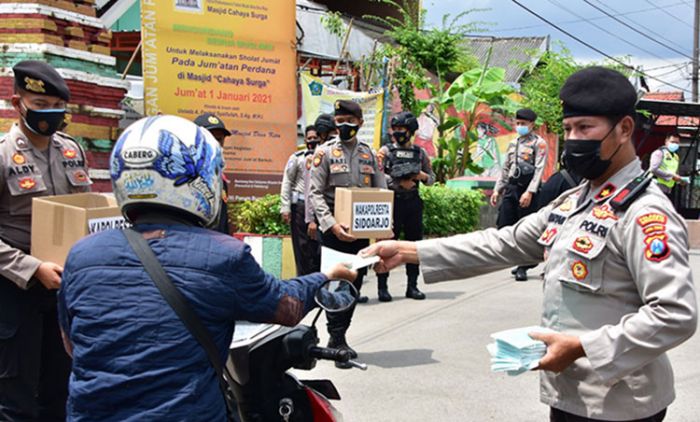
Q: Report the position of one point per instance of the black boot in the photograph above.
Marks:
(338, 342)
(521, 274)
(412, 291)
(382, 290)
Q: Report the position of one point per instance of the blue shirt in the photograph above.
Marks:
(133, 359)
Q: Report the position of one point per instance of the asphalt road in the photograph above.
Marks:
(428, 360)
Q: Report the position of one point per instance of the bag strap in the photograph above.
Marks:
(179, 304)
(568, 178)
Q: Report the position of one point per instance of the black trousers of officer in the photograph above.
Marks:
(34, 367)
(511, 212)
(307, 251)
(556, 415)
(338, 323)
(408, 219)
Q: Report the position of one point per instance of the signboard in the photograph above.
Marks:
(319, 97)
(371, 216)
(236, 59)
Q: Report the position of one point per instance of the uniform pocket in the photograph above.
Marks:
(339, 177)
(23, 188)
(584, 264)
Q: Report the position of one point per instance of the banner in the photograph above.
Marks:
(233, 58)
(319, 97)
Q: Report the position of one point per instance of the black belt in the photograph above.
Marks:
(407, 195)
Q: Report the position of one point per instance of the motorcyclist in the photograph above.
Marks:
(132, 356)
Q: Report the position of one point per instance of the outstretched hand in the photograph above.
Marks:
(391, 254)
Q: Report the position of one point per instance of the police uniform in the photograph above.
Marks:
(342, 164)
(34, 368)
(408, 205)
(522, 172)
(292, 202)
(616, 275)
(664, 165)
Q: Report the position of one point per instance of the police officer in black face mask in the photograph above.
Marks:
(405, 166)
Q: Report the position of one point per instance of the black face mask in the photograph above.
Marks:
(347, 131)
(311, 146)
(401, 137)
(583, 157)
(43, 122)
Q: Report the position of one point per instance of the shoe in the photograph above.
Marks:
(414, 293)
(339, 342)
(521, 274)
(362, 299)
(514, 270)
(382, 289)
(384, 295)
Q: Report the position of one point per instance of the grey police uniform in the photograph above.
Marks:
(27, 309)
(617, 278)
(292, 201)
(341, 164)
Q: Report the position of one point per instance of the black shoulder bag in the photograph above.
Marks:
(179, 304)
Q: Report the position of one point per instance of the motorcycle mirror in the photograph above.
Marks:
(336, 296)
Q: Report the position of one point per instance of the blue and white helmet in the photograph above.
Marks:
(168, 161)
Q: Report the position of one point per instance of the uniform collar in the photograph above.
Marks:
(615, 182)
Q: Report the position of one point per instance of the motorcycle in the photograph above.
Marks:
(261, 356)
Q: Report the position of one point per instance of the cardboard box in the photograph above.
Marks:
(367, 211)
(60, 221)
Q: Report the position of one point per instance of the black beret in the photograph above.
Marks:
(324, 123)
(348, 108)
(40, 78)
(405, 119)
(211, 121)
(598, 91)
(526, 114)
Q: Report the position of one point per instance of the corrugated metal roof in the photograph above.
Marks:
(508, 52)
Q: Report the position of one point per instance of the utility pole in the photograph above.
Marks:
(696, 47)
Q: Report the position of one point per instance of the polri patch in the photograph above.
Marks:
(70, 153)
(583, 244)
(657, 249)
(604, 212)
(652, 218)
(27, 183)
(579, 270)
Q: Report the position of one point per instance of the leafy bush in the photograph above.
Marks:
(261, 216)
(450, 211)
(446, 211)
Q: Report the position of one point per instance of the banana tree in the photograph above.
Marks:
(478, 95)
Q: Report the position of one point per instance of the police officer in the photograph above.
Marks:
(406, 166)
(217, 128)
(326, 130)
(521, 176)
(664, 164)
(346, 162)
(35, 161)
(292, 205)
(618, 288)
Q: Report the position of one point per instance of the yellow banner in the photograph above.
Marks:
(319, 97)
(233, 58)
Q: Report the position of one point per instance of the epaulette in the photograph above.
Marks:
(631, 191)
(300, 152)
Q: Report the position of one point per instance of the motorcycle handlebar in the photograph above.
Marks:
(338, 355)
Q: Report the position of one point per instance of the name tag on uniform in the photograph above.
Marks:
(405, 154)
(339, 168)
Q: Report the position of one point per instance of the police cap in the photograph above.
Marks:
(526, 114)
(598, 91)
(348, 108)
(211, 121)
(324, 123)
(405, 119)
(40, 78)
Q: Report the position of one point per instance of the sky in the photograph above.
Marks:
(669, 24)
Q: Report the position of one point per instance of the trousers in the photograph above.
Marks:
(338, 323)
(34, 367)
(307, 251)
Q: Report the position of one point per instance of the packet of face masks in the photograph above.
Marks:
(515, 352)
